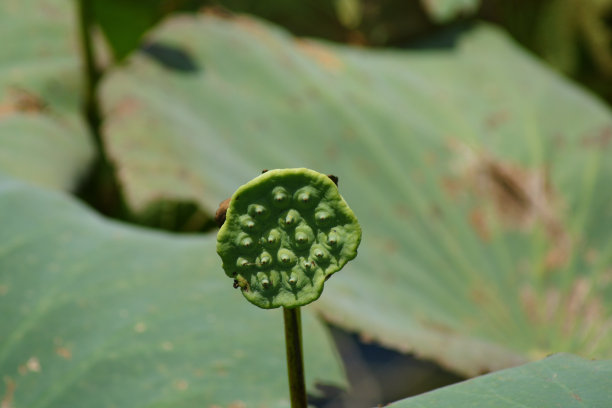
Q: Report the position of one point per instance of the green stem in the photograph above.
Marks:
(295, 359)
(92, 75)
(100, 187)
(87, 59)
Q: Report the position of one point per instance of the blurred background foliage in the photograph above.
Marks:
(573, 36)
(479, 176)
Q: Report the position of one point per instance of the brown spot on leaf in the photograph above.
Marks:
(436, 212)
(140, 327)
(552, 302)
(63, 352)
(402, 210)
(3, 290)
(591, 255)
(220, 368)
(452, 187)
(125, 107)
(21, 100)
(390, 246)
(529, 302)
(496, 119)
(9, 392)
(321, 54)
(254, 28)
(580, 311)
(180, 385)
(480, 295)
(520, 197)
(217, 11)
(558, 140)
(33, 365)
(599, 139)
(576, 396)
(576, 306)
(556, 257)
(479, 223)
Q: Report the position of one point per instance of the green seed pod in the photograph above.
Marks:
(286, 231)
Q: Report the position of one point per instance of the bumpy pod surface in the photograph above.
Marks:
(285, 233)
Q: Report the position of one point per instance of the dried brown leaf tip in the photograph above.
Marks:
(220, 214)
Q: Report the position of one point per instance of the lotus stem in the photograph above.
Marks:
(295, 359)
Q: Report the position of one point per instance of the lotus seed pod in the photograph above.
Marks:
(285, 233)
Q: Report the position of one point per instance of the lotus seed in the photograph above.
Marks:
(280, 197)
(291, 218)
(265, 283)
(248, 223)
(292, 280)
(305, 196)
(265, 259)
(247, 242)
(273, 237)
(257, 210)
(301, 237)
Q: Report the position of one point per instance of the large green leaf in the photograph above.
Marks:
(558, 381)
(42, 137)
(98, 314)
(480, 178)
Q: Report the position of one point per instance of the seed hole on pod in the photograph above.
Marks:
(280, 197)
(273, 237)
(265, 259)
(303, 235)
(242, 263)
(247, 242)
(290, 218)
(306, 197)
(301, 238)
(323, 214)
(285, 256)
(319, 253)
(247, 223)
(258, 211)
